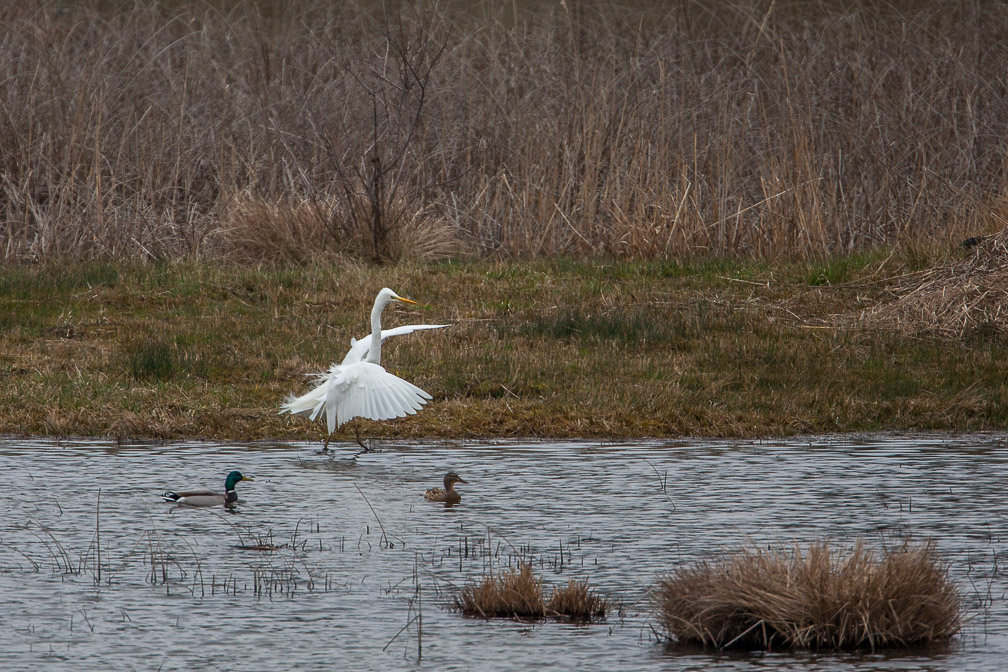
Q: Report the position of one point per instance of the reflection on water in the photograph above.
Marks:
(359, 554)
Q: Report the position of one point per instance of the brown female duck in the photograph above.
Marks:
(448, 494)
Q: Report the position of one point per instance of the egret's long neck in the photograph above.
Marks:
(374, 352)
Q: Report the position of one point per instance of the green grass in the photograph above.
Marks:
(558, 348)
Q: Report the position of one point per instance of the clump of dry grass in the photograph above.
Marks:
(512, 593)
(518, 593)
(822, 599)
(302, 230)
(954, 300)
(577, 602)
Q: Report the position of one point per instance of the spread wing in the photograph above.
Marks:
(365, 390)
(311, 403)
(359, 348)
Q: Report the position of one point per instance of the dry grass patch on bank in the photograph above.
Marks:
(303, 230)
(820, 599)
(953, 300)
(518, 593)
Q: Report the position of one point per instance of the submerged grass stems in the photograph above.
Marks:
(518, 593)
(292, 132)
(822, 598)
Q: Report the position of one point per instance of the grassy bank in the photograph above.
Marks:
(553, 348)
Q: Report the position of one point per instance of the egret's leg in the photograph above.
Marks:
(356, 430)
(325, 446)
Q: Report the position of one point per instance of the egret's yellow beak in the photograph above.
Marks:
(247, 478)
(405, 300)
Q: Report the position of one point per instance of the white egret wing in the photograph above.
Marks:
(310, 403)
(359, 348)
(366, 390)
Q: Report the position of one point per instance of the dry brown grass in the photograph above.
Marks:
(577, 602)
(820, 599)
(303, 231)
(511, 593)
(644, 129)
(952, 300)
(518, 593)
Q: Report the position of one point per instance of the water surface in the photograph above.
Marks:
(361, 555)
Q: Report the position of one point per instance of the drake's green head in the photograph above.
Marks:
(232, 480)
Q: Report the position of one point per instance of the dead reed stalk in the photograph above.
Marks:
(819, 599)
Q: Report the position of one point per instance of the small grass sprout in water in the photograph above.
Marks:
(820, 599)
(518, 593)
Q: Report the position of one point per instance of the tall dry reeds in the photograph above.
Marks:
(821, 599)
(387, 131)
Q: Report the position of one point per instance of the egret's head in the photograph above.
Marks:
(451, 478)
(387, 296)
(233, 478)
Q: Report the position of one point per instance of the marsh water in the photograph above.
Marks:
(363, 569)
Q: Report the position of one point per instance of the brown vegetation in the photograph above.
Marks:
(958, 299)
(289, 131)
(820, 599)
(518, 593)
(577, 602)
(511, 593)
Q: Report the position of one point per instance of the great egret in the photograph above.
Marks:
(448, 494)
(359, 386)
(208, 497)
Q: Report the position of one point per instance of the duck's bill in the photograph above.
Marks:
(247, 478)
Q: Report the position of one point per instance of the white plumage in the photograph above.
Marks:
(359, 387)
(367, 390)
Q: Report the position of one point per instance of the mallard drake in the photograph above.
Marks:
(208, 497)
(447, 494)
(359, 386)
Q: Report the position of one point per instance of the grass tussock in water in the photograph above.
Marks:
(511, 593)
(518, 593)
(820, 599)
(577, 602)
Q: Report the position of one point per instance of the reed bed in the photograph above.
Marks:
(646, 129)
(518, 593)
(820, 599)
